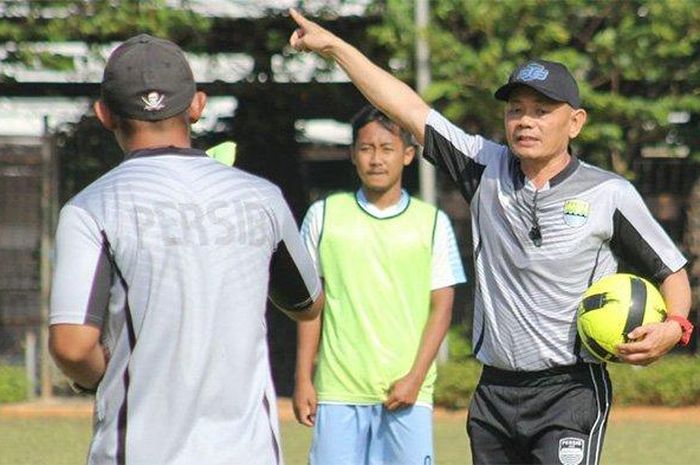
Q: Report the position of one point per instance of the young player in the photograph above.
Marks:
(389, 263)
(163, 269)
(545, 225)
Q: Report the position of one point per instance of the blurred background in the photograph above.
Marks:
(637, 63)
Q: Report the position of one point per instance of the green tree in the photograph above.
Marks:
(86, 149)
(94, 22)
(636, 62)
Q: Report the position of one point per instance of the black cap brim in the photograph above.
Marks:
(503, 92)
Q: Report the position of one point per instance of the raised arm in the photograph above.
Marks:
(396, 99)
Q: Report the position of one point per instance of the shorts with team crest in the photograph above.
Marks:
(553, 416)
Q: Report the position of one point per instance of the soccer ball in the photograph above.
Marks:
(614, 306)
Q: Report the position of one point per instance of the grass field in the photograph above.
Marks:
(63, 441)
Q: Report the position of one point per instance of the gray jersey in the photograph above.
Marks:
(171, 254)
(528, 287)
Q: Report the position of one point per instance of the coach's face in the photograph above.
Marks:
(538, 129)
(379, 155)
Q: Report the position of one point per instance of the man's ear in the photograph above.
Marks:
(199, 101)
(104, 115)
(409, 153)
(578, 119)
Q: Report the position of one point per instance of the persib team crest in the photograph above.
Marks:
(576, 212)
(571, 451)
(532, 72)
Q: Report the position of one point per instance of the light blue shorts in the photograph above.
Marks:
(372, 435)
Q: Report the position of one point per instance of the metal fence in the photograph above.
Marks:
(27, 215)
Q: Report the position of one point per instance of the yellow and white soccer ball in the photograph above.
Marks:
(614, 306)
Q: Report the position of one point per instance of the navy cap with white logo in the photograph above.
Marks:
(549, 78)
(148, 79)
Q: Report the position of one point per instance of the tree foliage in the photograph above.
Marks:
(25, 23)
(96, 20)
(636, 61)
(87, 150)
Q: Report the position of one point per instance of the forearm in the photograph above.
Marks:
(676, 292)
(392, 96)
(308, 338)
(435, 330)
(88, 372)
(650, 342)
(78, 353)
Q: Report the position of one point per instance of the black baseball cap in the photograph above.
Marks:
(549, 78)
(148, 79)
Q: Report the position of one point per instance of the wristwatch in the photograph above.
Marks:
(686, 328)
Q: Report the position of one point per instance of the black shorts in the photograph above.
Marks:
(554, 416)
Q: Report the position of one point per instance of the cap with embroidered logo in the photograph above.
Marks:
(549, 78)
(148, 79)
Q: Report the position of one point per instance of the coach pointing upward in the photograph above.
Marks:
(545, 225)
(164, 263)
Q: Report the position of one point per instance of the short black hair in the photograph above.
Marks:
(130, 126)
(369, 114)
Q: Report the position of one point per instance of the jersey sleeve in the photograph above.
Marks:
(294, 282)
(82, 273)
(447, 268)
(311, 229)
(462, 156)
(639, 240)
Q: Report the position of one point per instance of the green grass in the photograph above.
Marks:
(58, 441)
(650, 443)
(13, 384)
(44, 441)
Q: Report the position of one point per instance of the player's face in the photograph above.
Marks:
(538, 129)
(379, 156)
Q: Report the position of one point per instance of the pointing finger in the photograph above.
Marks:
(298, 17)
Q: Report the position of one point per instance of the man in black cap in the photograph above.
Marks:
(545, 225)
(163, 269)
